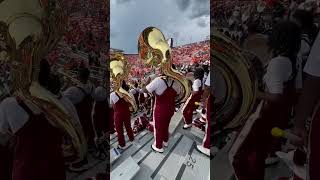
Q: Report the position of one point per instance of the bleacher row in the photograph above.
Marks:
(86, 32)
(180, 160)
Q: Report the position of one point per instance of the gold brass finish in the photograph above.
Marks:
(30, 29)
(119, 71)
(240, 78)
(154, 50)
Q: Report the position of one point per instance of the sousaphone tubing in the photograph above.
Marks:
(29, 30)
(235, 80)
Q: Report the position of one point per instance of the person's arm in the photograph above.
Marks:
(196, 86)
(207, 90)
(111, 103)
(72, 94)
(12, 118)
(144, 88)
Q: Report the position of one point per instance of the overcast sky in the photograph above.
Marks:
(184, 20)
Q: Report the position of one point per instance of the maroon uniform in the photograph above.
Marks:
(256, 141)
(37, 152)
(84, 109)
(122, 117)
(163, 109)
(100, 111)
(190, 106)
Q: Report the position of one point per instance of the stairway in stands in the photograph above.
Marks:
(180, 159)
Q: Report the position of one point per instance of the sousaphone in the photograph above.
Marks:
(236, 82)
(155, 51)
(29, 30)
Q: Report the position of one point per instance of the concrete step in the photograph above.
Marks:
(170, 167)
(143, 141)
(127, 170)
(179, 161)
(151, 161)
(196, 166)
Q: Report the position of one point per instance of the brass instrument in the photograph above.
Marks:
(71, 76)
(30, 29)
(119, 70)
(154, 49)
(240, 79)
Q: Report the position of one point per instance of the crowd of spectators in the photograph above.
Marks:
(86, 38)
(184, 55)
(233, 17)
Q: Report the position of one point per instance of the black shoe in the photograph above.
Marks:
(80, 166)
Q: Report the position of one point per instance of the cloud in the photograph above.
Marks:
(127, 20)
(200, 8)
(183, 4)
(202, 22)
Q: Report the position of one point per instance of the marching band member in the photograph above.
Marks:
(163, 110)
(31, 129)
(54, 86)
(149, 97)
(100, 108)
(82, 97)
(122, 117)
(307, 103)
(135, 92)
(6, 153)
(142, 99)
(111, 128)
(206, 98)
(249, 160)
(190, 105)
(206, 72)
(37, 151)
(305, 20)
(165, 87)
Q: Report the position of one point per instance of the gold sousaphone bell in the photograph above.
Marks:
(119, 72)
(154, 50)
(29, 30)
(236, 82)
